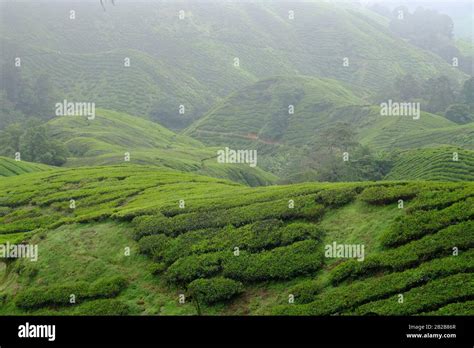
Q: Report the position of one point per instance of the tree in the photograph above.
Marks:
(439, 94)
(467, 91)
(459, 113)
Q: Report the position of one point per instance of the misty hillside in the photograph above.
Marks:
(191, 62)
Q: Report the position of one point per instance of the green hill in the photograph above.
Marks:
(130, 247)
(259, 117)
(85, 56)
(106, 140)
(439, 163)
(10, 167)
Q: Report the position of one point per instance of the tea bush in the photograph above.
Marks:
(285, 262)
(59, 295)
(336, 299)
(214, 290)
(381, 195)
(408, 255)
(413, 226)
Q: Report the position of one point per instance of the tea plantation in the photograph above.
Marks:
(132, 239)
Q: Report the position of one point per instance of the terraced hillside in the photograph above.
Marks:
(138, 238)
(10, 167)
(281, 116)
(439, 163)
(86, 60)
(106, 140)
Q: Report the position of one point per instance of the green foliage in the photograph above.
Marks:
(59, 295)
(10, 167)
(460, 236)
(459, 113)
(407, 228)
(459, 308)
(336, 197)
(436, 163)
(300, 258)
(154, 245)
(33, 142)
(381, 195)
(188, 268)
(279, 209)
(210, 291)
(336, 299)
(103, 307)
(437, 293)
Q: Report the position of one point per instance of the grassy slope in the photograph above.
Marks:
(104, 141)
(10, 167)
(98, 230)
(434, 164)
(86, 60)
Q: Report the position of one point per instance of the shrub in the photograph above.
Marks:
(460, 308)
(460, 236)
(420, 223)
(214, 290)
(336, 299)
(59, 295)
(306, 290)
(380, 195)
(154, 245)
(428, 297)
(280, 263)
(107, 307)
(336, 197)
(188, 268)
(439, 199)
(238, 216)
(150, 224)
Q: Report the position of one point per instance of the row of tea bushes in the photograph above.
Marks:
(173, 226)
(459, 236)
(336, 299)
(420, 223)
(285, 262)
(60, 295)
(439, 292)
(381, 195)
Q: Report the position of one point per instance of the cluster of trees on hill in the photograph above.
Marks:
(429, 30)
(437, 95)
(22, 98)
(25, 106)
(337, 156)
(31, 140)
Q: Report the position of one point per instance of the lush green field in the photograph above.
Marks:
(139, 237)
(10, 167)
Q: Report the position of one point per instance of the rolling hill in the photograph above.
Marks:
(85, 56)
(259, 117)
(130, 247)
(106, 140)
(10, 167)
